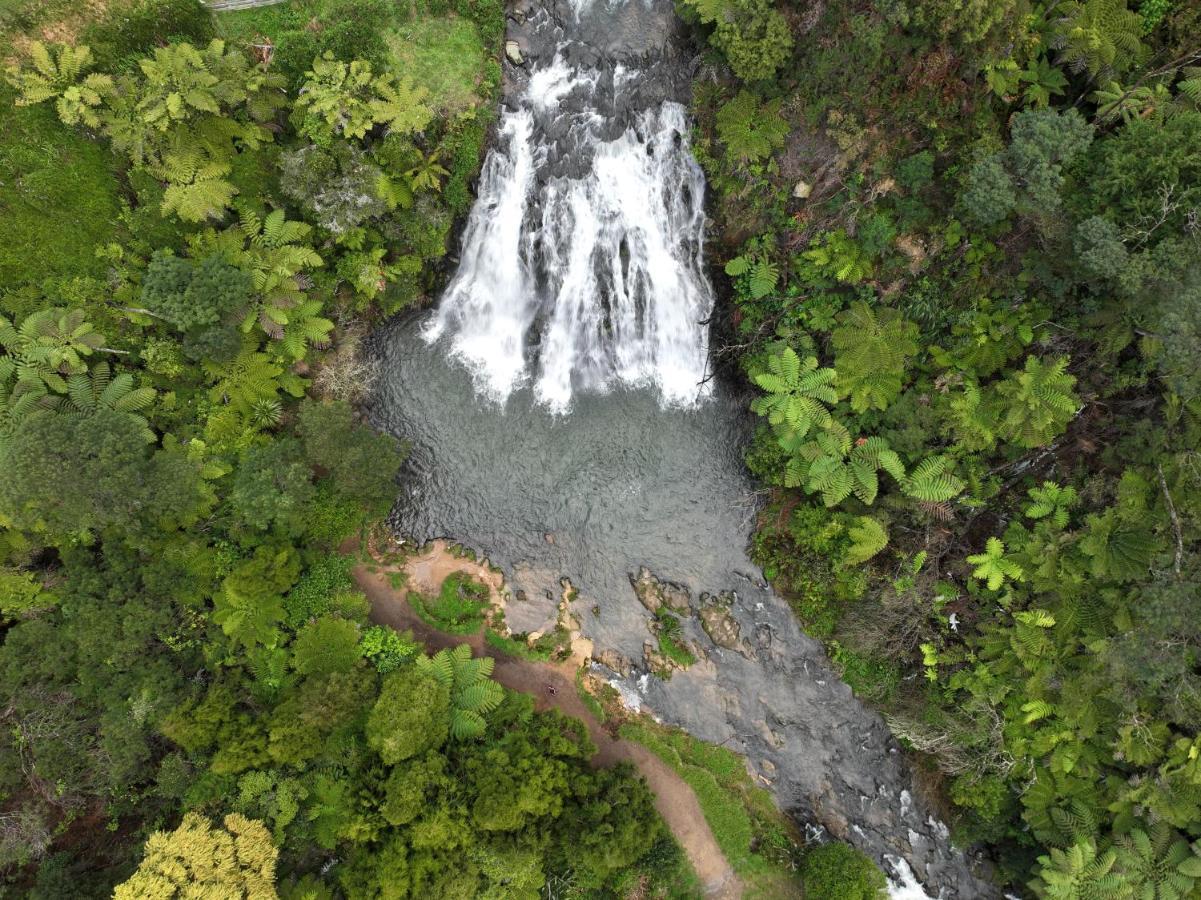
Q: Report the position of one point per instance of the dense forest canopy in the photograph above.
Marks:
(959, 247)
(964, 243)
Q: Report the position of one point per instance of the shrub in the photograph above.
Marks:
(840, 872)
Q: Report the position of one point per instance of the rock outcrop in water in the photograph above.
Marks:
(580, 274)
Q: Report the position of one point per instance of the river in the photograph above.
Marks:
(565, 423)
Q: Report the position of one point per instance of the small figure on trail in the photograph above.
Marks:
(551, 689)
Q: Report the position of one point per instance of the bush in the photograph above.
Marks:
(840, 872)
(459, 607)
(314, 593)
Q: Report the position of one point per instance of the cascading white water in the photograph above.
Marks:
(583, 279)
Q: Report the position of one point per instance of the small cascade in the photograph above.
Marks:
(581, 266)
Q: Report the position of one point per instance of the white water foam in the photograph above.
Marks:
(583, 283)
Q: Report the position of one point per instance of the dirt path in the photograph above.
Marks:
(674, 799)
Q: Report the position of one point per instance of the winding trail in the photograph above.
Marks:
(674, 799)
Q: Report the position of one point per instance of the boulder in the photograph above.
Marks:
(513, 52)
(653, 593)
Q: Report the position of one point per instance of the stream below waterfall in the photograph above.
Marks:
(564, 424)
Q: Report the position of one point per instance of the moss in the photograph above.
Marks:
(51, 175)
(445, 55)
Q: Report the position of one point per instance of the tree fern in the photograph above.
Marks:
(58, 75)
(49, 344)
(872, 346)
(399, 105)
(993, 567)
(1051, 501)
(98, 389)
(868, 537)
(468, 681)
(837, 468)
(797, 395)
(1100, 36)
(1161, 863)
(750, 130)
(1036, 404)
(1079, 872)
(932, 481)
(836, 255)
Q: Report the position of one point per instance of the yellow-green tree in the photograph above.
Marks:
(200, 862)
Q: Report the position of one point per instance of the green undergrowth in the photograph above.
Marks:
(459, 608)
(592, 703)
(664, 873)
(446, 55)
(518, 647)
(670, 643)
(755, 837)
(50, 174)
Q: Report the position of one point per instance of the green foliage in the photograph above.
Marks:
(750, 130)
(1100, 36)
(386, 648)
(459, 608)
(1037, 403)
(840, 872)
(468, 684)
(872, 347)
(326, 645)
(412, 715)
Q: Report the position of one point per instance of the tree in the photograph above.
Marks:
(872, 347)
(411, 784)
(338, 187)
(194, 295)
(198, 860)
(469, 686)
(362, 463)
(1028, 176)
(754, 37)
(272, 486)
(326, 645)
(750, 130)
(1035, 405)
(68, 474)
(411, 716)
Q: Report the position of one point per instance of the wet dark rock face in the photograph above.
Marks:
(639, 503)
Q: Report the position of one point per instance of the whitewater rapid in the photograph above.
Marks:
(581, 267)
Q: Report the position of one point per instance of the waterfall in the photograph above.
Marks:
(581, 267)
